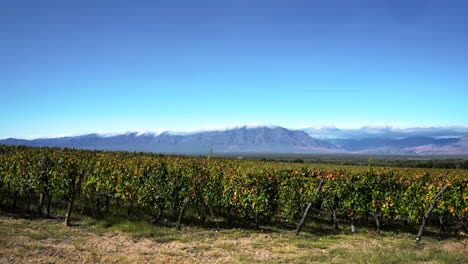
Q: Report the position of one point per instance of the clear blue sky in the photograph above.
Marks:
(71, 67)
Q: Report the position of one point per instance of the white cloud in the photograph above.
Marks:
(323, 131)
(216, 128)
(389, 131)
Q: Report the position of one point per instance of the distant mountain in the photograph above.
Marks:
(390, 140)
(259, 139)
(383, 131)
(459, 147)
(381, 143)
(238, 140)
(404, 146)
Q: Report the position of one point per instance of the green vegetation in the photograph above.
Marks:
(149, 196)
(400, 161)
(224, 188)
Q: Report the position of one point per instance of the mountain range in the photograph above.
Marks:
(261, 139)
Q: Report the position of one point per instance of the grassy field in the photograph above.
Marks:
(116, 239)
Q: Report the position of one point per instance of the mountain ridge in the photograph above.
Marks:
(243, 139)
(249, 139)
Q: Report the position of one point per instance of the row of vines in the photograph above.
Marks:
(166, 182)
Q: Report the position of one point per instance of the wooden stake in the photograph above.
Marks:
(306, 211)
(426, 216)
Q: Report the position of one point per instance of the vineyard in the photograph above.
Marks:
(229, 189)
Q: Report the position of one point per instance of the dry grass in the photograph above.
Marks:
(48, 241)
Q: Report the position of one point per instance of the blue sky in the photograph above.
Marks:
(72, 67)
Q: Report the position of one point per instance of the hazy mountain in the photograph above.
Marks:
(387, 132)
(459, 147)
(388, 140)
(387, 151)
(244, 139)
(260, 139)
(380, 143)
(405, 146)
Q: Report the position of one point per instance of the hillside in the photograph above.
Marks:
(260, 139)
(238, 140)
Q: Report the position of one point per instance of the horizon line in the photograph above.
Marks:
(378, 127)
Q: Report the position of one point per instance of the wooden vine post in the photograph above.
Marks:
(75, 190)
(426, 216)
(181, 215)
(378, 223)
(306, 211)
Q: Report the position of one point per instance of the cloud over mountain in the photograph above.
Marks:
(387, 131)
(254, 138)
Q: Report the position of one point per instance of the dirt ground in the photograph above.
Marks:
(48, 241)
